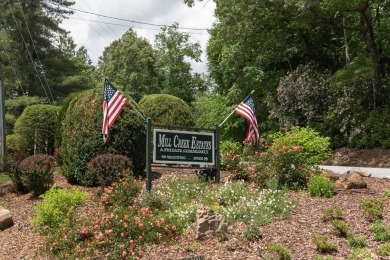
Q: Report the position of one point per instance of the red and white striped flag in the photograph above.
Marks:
(246, 109)
(113, 103)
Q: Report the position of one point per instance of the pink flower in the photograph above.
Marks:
(122, 234)
(126, 217)
(140, 252)
(99, 236)
(173, 227)
(122, 246)
(140, 237)
(108, 232)
(84, 231)
(124, 254)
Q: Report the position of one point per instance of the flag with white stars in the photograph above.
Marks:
(246, 109)
(113, 103)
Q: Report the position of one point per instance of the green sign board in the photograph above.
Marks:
(183, 147)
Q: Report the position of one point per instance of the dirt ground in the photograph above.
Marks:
(294, 232)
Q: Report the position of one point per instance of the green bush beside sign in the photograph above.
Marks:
(183, 147)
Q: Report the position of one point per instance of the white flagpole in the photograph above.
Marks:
(232, 112)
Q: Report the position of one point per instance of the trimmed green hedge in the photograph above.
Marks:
(166, 109)
(82, 136)
(36, 126)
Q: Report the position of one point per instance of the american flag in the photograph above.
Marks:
(246, 109)
(113, 103)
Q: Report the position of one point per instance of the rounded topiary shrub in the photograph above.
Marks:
(82, 136)
(108, 168)
(166, 109)
(36, 125)
(37, 173)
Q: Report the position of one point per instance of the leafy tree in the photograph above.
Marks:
(176, 73)
(303, 97)
(33, 48)
(131, 63)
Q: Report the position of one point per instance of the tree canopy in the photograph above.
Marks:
(38, 56)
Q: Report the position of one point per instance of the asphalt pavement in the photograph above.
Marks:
(375, 172)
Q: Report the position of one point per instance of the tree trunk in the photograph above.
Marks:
(374, 55)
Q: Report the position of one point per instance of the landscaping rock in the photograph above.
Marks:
(6, 220)
(208, 222)
(352, 180)
(359, 171)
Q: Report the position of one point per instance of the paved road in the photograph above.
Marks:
(375, 172)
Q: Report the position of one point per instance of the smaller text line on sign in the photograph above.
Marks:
(183, 147)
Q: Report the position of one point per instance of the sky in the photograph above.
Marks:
(96, 32)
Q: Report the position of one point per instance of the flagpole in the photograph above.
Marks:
(232, 112)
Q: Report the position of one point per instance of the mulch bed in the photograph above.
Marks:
(294, 232)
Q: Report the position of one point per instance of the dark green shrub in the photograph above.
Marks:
(36, 125)
(376, 130)
(320, 186)
(37, 173)
(82, 139)
(57, 207)
(166, 109)
(105, 169)
(60, 118)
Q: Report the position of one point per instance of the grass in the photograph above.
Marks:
(4, 178)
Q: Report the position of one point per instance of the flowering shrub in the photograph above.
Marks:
(120, 231)
(295, 152)
(37, 173)
(320, 186)
(230, 155)
(289, 159)
(108, 168)
(121, 193)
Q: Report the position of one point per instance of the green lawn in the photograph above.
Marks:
(4, 178)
